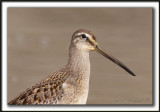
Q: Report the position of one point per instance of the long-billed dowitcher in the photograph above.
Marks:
(70, 84)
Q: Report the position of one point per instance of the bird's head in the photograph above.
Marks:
(86, 40)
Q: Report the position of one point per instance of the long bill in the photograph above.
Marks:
(116, 61)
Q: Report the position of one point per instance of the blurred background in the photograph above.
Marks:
(39, 38)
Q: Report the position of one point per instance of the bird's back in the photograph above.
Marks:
(48, 91)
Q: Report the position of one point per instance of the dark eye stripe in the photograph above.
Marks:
(90, 42)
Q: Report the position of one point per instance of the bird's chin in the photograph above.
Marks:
(90, 49)
(85, 48)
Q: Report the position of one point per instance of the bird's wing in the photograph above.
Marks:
(47, 91)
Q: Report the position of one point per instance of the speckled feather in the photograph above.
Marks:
(47, 91)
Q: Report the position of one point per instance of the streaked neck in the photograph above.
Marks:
(79, 61)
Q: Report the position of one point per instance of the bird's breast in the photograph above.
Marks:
(75, 91)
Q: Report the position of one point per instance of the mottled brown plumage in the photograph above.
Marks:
(44, 92)
(70, 84)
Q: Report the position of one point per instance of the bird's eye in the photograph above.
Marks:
(84, 36)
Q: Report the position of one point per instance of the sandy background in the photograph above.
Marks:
(39, 38)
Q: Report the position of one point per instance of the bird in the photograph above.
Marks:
(69, 84)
